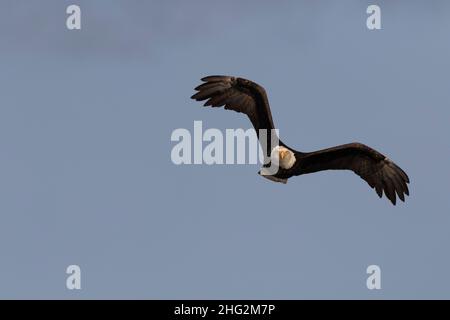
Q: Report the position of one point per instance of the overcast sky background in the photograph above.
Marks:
(85, 170)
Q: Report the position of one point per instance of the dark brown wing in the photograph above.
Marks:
(237, 94)
(378, 171)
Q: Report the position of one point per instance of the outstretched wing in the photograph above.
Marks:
(237, 94)
(378, 171)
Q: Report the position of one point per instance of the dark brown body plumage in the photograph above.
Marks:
(245, 96)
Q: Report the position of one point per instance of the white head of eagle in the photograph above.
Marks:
(282, 157)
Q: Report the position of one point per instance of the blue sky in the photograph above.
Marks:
(86, 177)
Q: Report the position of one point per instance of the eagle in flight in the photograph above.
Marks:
(245, 96)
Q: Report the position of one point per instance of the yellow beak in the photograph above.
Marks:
(282, 154)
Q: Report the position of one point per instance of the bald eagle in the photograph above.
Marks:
(245, 96)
